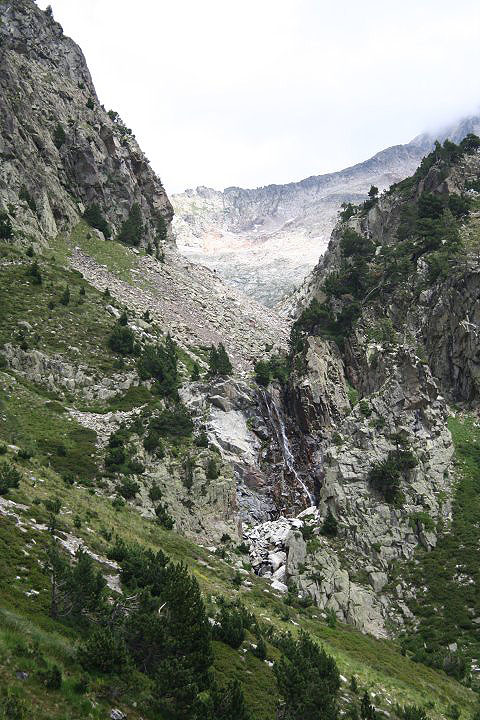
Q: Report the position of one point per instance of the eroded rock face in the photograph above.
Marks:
(45, 84)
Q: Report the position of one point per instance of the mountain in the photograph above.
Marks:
(266, 240)
(208, 510)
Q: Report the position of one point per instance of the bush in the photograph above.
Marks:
(163, 517)
(59, 136)
(262, 372)
(13, 706)
(121, 340)
(212, 470)
(131, 232)
(155, 493)
(385, 476)
(9, 478)
(128, 488)
(261, 650)
(95, 218)
(413, 712)
(52, 678)
(330, 525)
(6, 229)
(25, 195)
(365, 408)
(175, 422)
(195, 374)
(65, 298)
(104, 651)
(33, 272)
(90, 104)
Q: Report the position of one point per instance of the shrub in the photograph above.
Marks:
(95, 218)
(163, 517)
(261, 650)
(128, 488)
(262, 372)
(413, 712)
(364, 408)
(52, 678)
(201, 440)
(175, 422)
(121, 340)
(386, 475)
(9, 478)
(6, 229)
(33, 272)
(103, 650)
(90, 104)
(25, 195)
(13, 706)
(59, 136)
(330, 525)
(155, 493)
(65, 298)
(212, 470)
(195, 374)
(132, 230)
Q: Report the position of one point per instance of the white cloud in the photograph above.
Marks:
(222, 93)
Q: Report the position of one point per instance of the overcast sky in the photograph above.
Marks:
(248, 93)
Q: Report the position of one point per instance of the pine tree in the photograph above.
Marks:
(65, 298)
(195, 374)
(132, 229)
(367, 711)
(183, 668)
(161, 363)
(219, 362)
(224, 364)
(95, 218)
(228, 703)
(308, 679)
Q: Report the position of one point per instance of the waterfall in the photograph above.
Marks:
(279, 425)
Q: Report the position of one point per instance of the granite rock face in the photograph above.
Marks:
(60, 149)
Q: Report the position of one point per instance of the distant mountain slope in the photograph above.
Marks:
(265, 240)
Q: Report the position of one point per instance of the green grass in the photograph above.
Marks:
(76, 331)
(116, 257)
(378, 665)
(36, 424)
(451, 572)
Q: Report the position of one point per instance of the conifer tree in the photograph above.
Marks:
(330, 525)
(132, 229)
(308, 679)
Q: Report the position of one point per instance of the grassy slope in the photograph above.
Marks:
(450, 574)
(30, 416)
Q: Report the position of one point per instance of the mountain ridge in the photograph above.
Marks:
(265, 240)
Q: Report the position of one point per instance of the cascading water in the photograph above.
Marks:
(279, 426)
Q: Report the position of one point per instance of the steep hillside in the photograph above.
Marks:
(175, 514)
(266, 240)
(393, 308)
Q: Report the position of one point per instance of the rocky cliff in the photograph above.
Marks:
(60, 150)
